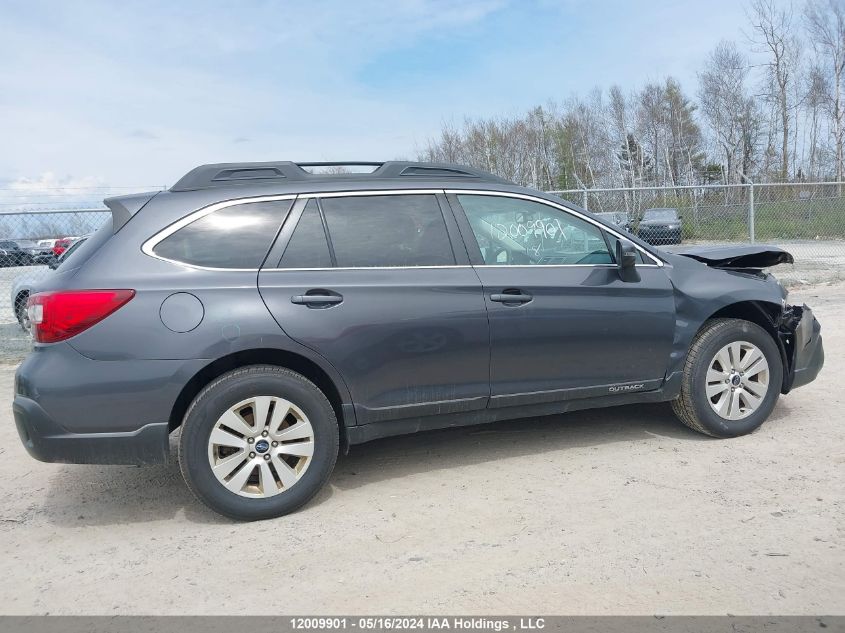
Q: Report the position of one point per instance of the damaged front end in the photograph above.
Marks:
(737, 257)
(800, 342)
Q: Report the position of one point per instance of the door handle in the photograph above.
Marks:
(511, 296)
(317, 301)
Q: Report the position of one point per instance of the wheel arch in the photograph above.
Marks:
(766, 314)
(763, 313)
(20, 294)
(20, 299)
(336, 394)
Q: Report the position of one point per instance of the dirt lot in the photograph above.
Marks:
(614, 511)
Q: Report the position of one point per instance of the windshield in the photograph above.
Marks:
(669, 215)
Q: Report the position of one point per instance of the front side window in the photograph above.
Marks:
(511, 231)
(236, 236)
(387, 231)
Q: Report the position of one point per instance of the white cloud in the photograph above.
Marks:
(48, 181)
(137, 93)
(49, 191)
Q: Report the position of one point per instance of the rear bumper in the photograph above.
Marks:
(800, 334)
(71, 409)
(47, 441)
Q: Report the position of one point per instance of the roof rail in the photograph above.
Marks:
(227, 174)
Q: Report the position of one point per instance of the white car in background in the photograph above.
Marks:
(22, 285)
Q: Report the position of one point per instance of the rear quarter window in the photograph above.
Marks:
(235, 237)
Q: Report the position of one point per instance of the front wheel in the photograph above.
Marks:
(259, 442)
(732, 379)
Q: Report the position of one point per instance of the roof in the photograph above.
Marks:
(227, 174)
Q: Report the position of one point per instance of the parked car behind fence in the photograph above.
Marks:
(661, 226)
(11, 254)
(24, 284)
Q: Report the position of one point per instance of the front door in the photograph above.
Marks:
(374, 285)
(563, 324)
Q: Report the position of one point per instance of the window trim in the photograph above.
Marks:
(284, 237)
(148, 246)
(658, 263)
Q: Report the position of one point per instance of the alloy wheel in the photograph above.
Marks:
(737, 380)
(261, 447)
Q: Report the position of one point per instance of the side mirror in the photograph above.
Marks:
(53, 263)
(626, 254)
(626, 261)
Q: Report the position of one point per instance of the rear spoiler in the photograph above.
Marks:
(124, 207)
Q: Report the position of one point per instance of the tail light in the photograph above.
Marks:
(57, 316)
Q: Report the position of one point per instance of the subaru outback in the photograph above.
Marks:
(274, 316)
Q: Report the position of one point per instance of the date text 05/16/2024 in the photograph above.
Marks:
(418, 623)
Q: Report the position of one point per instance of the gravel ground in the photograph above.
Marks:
(616, 511)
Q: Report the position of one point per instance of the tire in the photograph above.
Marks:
(698, 411)
(252, 500)
(21, 313)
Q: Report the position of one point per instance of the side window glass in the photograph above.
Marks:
(237, 236)
(388, 230)
(511, 231)
(308, 247)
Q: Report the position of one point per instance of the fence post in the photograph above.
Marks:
(584, 199)
(751, 211)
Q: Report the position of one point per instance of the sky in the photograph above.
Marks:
(135, 94)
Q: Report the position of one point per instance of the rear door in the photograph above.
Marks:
(563, 324)
(380, 285)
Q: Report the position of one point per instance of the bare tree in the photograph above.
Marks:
(651, 128)
(816, 96)
(825, 22)
(684, 156)
(723, 99)
(773, 34)
(750, 125)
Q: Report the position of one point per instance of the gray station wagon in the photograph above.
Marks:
(274, 316)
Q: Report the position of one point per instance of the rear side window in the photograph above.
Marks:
(237, 236)
(388, 230)
(308, 247)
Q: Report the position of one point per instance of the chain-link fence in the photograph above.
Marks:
(37, 228)
(807, 219)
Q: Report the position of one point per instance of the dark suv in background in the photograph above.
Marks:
(273, 315)
(661, 226)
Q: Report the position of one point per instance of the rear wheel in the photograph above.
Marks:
(258, 443)
(732, 379)
(21, 312)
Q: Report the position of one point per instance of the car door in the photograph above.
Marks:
(563, 324)
(371, 281)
